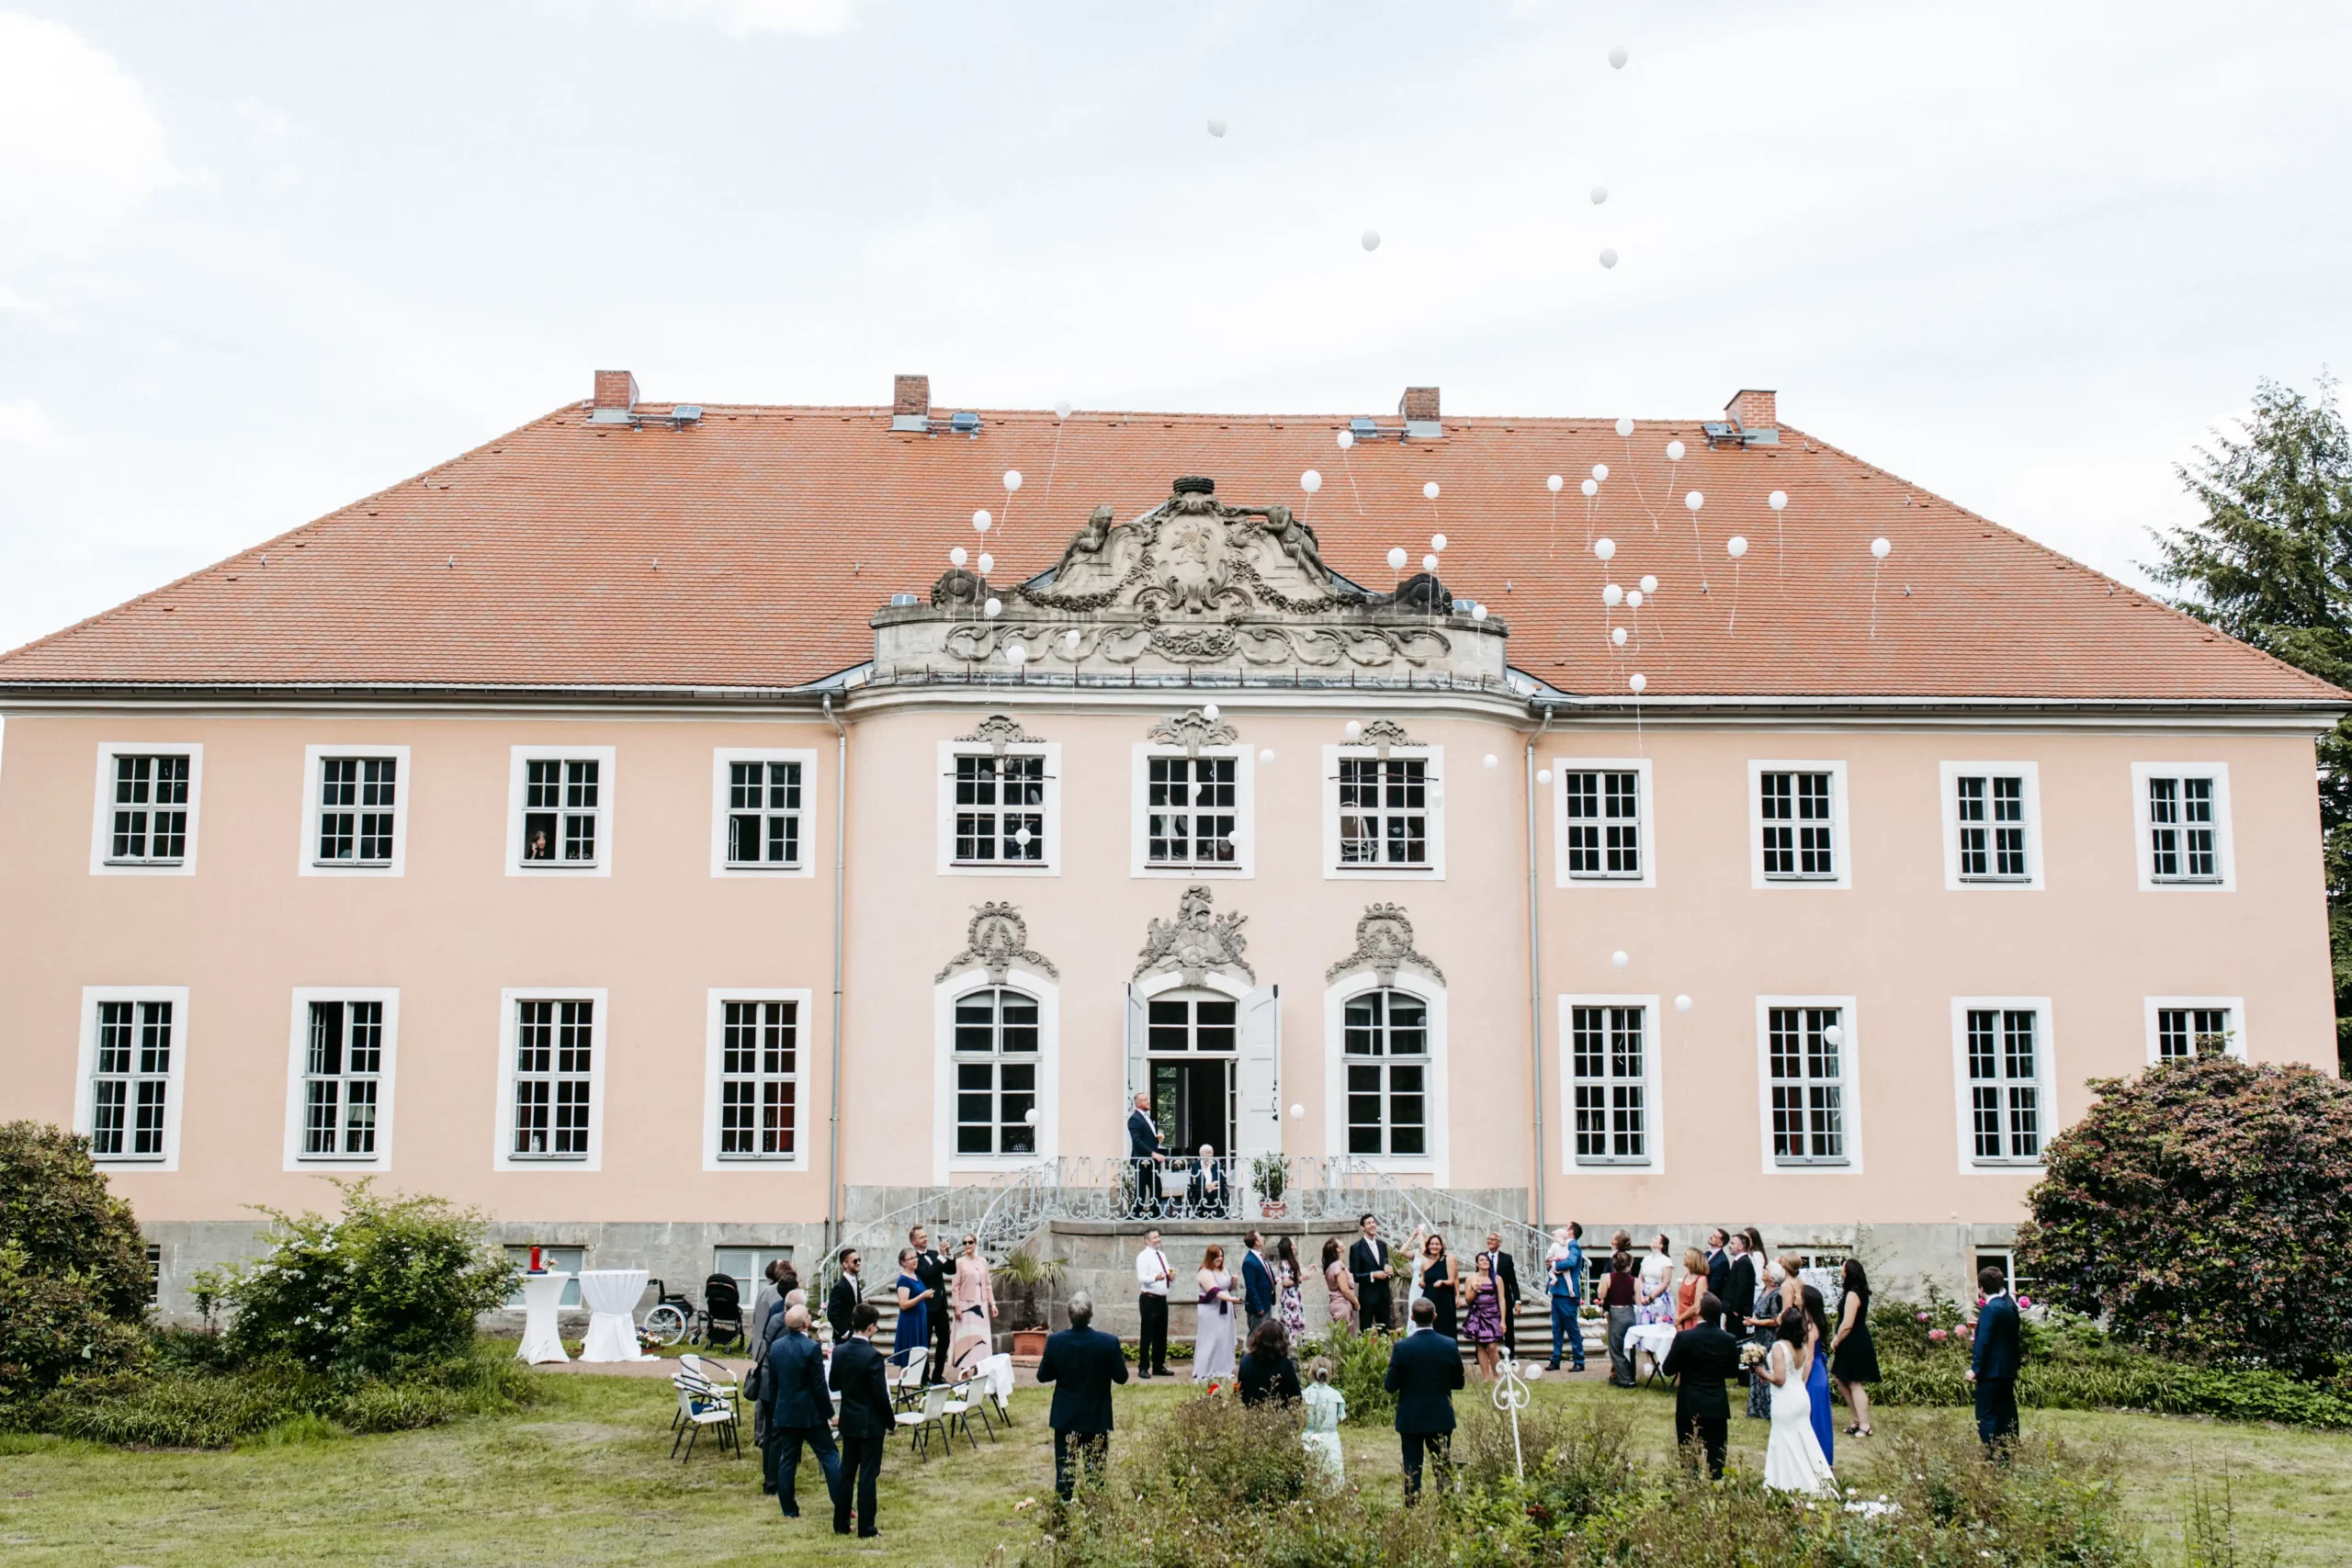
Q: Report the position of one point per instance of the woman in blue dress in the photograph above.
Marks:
(1816, 1314)
(913, 1337)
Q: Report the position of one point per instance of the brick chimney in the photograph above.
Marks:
(1752, 410)
(1418, 405)
(910, 403)
(616, 398)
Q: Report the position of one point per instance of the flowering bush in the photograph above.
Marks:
(2203, 1208)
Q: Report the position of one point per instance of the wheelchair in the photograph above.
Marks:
(675, 1317)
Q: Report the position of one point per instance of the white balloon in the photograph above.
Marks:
(988, 563)
(1310, 481)
(1012, 479)
(981, 520)
(1553, 484)
(1017, 654)
(1617, 58)
(1070, 639)
(1061, 411)
(1634, 598)
(1355, 731)
(957, 556)
(1694, 501)
(1599, 195)
(993, 607)
(1429, 490)
(1437, 541)
(1211, 712)
(1613, 595)
(1428, 563)
(1604, 548)
(1296, 1110)
(1617, 636)
(1620, 958)
(1216, 126)
(1736, 545)
(1777, 500)
(1347, 439)
(1608, 256)
(1477, 611)
(1674, 451)
(1491, 759)
(1682, 1004)
(1601, 470)
(1371, 239)
(1266, 755)
(1881, 548)
(1833, 1035)
(1543, 775)
(1395, 557)
(1640, 682)
(1030, 1116)
(1590, 487)
(1625, 427)
(1649, 583)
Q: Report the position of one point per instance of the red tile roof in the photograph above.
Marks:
(749, 550)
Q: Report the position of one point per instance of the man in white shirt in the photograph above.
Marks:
(1152, 1275)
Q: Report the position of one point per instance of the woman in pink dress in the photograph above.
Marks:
(973, 1300)
(1483, 1324)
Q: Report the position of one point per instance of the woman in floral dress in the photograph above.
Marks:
(1288, 1304)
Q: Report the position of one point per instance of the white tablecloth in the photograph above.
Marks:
(1651, 1339)
(611, 1297)
(541, 1342)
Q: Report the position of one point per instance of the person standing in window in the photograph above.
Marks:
(1441, 1283)
(539, 847)
(1853, 1359)
(911, 1340)
(975, 1304)
(1213, 1336)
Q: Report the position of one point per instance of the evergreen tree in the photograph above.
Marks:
(2270, 563)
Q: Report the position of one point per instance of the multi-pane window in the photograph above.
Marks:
(2181, 829)
(560, 809)
(130, 1084)
(150, 825)
(356, 817)
(555, 1044)
(341, 1075)
(995, 1072)
(1798, 824)
(1189, 810)
(1609, 1076)
(763, 814)
(1604, 835)
(2185, 1033)
(1990, 811)
(1193, 1024)
(1000, 810)
(759, 1080)
(154, 1273)
(1385, 1042)
(1805, 1053)
(1384, 811)
(2005, 1083)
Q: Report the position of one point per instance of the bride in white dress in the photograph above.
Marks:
(1792, 1457)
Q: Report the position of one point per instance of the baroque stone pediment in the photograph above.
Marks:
(997, 939)
(1192, 729)
(1384, 943)
(999, 730)
(1197, 943)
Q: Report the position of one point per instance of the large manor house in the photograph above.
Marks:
(680, 832)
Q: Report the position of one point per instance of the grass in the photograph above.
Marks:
(584, 1477)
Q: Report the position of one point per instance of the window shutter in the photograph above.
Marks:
(1260, 1129)
(1139, 1071)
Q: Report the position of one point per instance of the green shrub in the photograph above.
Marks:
(1359, 1370)
(392, 1285)
(56, 1205)
(55, 1326)
(1177, 1350)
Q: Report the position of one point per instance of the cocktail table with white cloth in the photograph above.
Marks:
(1651, 1339)
(611, 1295)
(541, 1340)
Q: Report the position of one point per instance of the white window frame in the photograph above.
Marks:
(1950, 774)
(517, 772)
(1432, 779)
(721, 786)
(1051, 866)
(306, 853)
(714, 1060)
(2045, 1082)
(2224, 855)
(601, 1052)
(1850, 1098)
(1842, 838)
(2151, 1006)
(298, 1064)
(102, 821)
(1653, 1088)
(1243, 866)
(174, 1079)
(1645, 823)
(945, 1161)
(1437, 1164)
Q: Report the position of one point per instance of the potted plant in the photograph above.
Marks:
(1270, 1175)
(1027, 1273)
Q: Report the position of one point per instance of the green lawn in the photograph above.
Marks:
(584, 1477)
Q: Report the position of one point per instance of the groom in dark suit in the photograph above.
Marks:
(1144, 1155)
(1699, 1361)
(1368, 1262)
(1423, 1371)
(1993, 1362)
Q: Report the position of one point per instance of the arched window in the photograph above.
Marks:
(1387, 1046)
(996, 1072)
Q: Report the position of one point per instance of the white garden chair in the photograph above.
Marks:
(932, 1417)
(716, 1373)
(958, 1412)
(701, 1405)
(907, 1383)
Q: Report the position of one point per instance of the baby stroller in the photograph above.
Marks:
(722, 1315)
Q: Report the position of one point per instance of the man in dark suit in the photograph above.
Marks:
(867, 1420)
(1700, 1359)
(1505, 1273)
(1144, 1155)
(800, 1410)
(1739, 1294)
(932, 1267)
(1081, 1363)
(840, 1307)
(1993, 1364)
(1718, 1263)
(1368, 1262)
(1256, 1283)
(1423, 1371)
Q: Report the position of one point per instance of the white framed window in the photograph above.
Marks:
(149, 798)
(339, 1076)
(1610, 1084)
(2182, 813)
(999, 812)
(552, 1045)
(1799, 837)
(133, 1064)
(2005, 1081)
(997, 1055)
(748, 1267)
(755, 1098)
(1806, 1059)
(761, 812)
(354, 811)
(1192, 815)
(1602, 824)
(2183, 1027)
(1386, 1054)
(1991, 820)
(560, 811)
(1384, 817)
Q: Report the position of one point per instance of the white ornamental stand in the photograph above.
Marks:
(1511, 1395)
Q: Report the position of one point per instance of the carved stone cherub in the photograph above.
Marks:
(1089, 544)
(1297, 541)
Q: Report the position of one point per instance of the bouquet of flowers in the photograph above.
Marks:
(1751, 1354)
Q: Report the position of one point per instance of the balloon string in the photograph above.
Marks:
(1051, 464)
(1781, 529)
(1876, 567)
(1350, 470)
(1733, 627)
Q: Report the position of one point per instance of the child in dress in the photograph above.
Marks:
(1326, 1409)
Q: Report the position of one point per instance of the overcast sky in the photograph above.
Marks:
(257, 260)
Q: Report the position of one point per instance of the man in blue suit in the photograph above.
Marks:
(1423, 1371)
(1256, 1283)
(800, 1410)
(1993, 1366)
(1081, 1362)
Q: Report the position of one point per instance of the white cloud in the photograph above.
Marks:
(811, 19)
(24, 422)
(84, 148)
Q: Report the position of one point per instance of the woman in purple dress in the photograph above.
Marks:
(1483, 1324)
